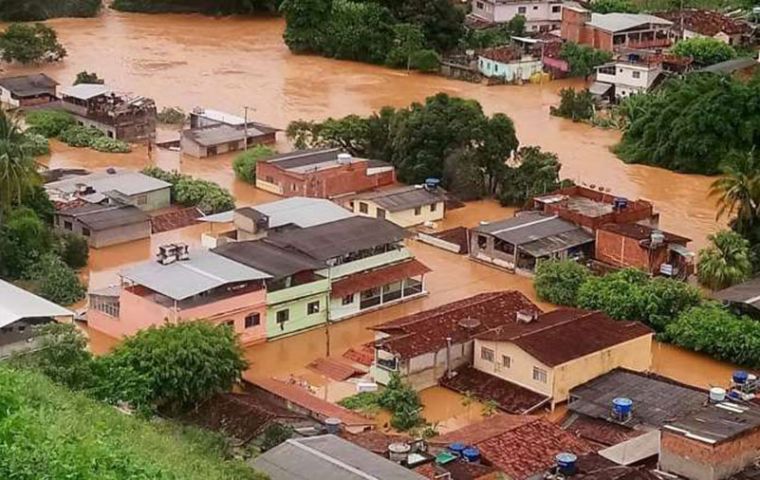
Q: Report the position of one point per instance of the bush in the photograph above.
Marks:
(574, 105)
(426, 60)
(87, 77)
(172, 116)
(24, 240)
(172, 177)
(401, 399)
(275, 434)
(583, 59)
(37, 145)
(713, 330)
(80, 136)
(55, 281)
(30, 43)
(73, 249)
(109, 145)
(36, 10)
(244, 164)
(207, 196)
(48, 123)
(664, 299)
(704, 51)
(558, 281)
(63, 356)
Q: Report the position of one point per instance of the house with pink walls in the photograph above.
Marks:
(180, 286)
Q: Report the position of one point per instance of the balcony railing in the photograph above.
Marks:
(653, 43)
(299, 291)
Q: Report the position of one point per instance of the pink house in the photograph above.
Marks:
(179, 288)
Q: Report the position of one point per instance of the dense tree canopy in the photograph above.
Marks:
(34, 10)
(614, 6)
(18, 172)
(244, 164)
(214, 7)
(575, 105)
(725, 262)
(208, 196)
(582, 58)
(30, 43)
(535, 173)
(88, 77)
(558, 281)
(704, 50)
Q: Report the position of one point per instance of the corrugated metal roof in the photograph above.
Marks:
(204, 271)
(126, 182)
(328, 457)
(403, 198)
(303, 158)
(219, 134)
(716, 422)
(527, 227)
(617, 22)
(747, 292)
(17, 303)
(268, 258)
(85, 91)
(557, 243)
(29, 85)
(302, 211)
(102, 217)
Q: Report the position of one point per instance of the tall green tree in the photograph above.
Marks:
(305, 24)
(407, 40)
(18, 172)
(725, 262)
(704, 51)
(24, 240)
(536, 173)
(582, 58)
(35, 43)
(738, 189)
(36, 10)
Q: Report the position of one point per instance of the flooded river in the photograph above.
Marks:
(226, 63)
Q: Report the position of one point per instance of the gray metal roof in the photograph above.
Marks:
(268, 258)
(102, 217)
(29, 85)
(204, 271)
(714, 423)
(328, 457)
(747, 292)
(301, 211)
(339, 238)
(730, 66)
(403, 198)
(617, 22)
(557, 243)
(219, 134)
(527, 227)
(126, 182)
(17, 303)
(85, 91)
(656, 400)
(302, 158)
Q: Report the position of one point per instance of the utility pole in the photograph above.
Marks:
(245, 127)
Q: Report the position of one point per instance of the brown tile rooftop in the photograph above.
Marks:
(334, 368)
(374, 440)
(598, 432)
(363, 354)
(175, 219)
(462, 320)
(509, 397)
(641, 232)
(706, 22)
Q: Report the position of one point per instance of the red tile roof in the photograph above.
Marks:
(510, 397)
(427, 331)
(706, 22)
(301, 397)
(583, 334)
(377, 278)
(175, 219)
(335, 368)
(503, 54)
(641, 232)
(600, 433)
(363, 354)
(374, 440)
(480, 432)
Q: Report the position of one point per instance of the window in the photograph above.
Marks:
(486, 354)
(433, 207)
(348, 299)
(282, 317)
(418, 210)
(293, 187)
(270, 179)
(363, 207)
(85, 232)
(312, 308)
(522, 9)
(556, 8)
(480, 5)
(482, 242)
(230, 323)
(380, 213)
(67, 225)
(539, 374)
(535, 7)
(142, 200)
(636, 74)
(506, 361)
(252, 320)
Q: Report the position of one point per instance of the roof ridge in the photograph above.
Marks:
(331, 459)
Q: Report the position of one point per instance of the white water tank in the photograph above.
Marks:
(397, 452)
(344, 158)
(717, 394)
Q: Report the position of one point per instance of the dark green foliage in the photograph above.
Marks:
(404, 402)
(79, 136)
(664, 299)
(704, 51)
(35, 10)
(714, 331)
(306, 22)
(537, 173)
(49, 123)
(37, 145)
(494, 36)
(725, 262)
(87, 77)
(210, 7)
(63, 356)
(275, 434)
(244, 164)
(692, 124)
(207, 196)
(582, 59)
(614, 6)
(441, 21)
(18, 171)
(558, 281)
(54, 280)
(426, 60)
(359, 31)
(172, 116)
(48, 432)
(73, 249)
(407, 40)
(24, 240)
(36, 198)
(574, 105)
(26, 43)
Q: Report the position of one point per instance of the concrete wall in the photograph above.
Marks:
(191, 148)
(105, 238)
(510, 72)
(537, 13)
(700, 461)
(299, 318)
(154, 200)
(520, 371)
(489, 253)
(403, 218)
(7, 98)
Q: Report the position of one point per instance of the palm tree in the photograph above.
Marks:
(18, 172)
(725, 262)
(738, 190)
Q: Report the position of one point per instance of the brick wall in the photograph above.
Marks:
(701, 461)
(573, 24)
(326, 183)
(621, 251)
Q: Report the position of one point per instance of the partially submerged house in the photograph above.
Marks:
(519, 243)
(425, 346)
(180, 286)
(112, 185)
(27, 90)
(634, 73)
(614, 32)
(405, 206)
(118, 116)
(20, 312)
(743, 298)
(322, 173)
(508, 64)
(708, 24)
(104, 225)
(540, 15)
(213, 133)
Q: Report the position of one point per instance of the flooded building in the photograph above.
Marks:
(20, 313)
(698, 23)
(613, 32)
(407, 206)
(213, 133)
(322, 173)
(424, 347)
(517, 244)
(540, 15)
(635, 73)
(118, 116)
(743, 298)
(180, 286)
(104, 225)
(27, 90)
(508, 64)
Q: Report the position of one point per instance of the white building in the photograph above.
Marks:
(540, 15)
(625, 78)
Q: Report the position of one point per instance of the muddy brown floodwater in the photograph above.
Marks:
(226, 63)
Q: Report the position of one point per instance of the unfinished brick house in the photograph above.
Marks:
(615, 31)
(322, 173)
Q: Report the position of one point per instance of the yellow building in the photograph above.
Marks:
(574, 347)
(406, 206)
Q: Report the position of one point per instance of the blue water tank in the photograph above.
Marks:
(622, 406)
(566, 463)
(740, 377)
(471, 454)
(619, 203)
(457, 448)
(432, 183)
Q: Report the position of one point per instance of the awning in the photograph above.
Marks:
(600, 88)
(680, 249)
(17, 303)
(377, 278)
(557, 243)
